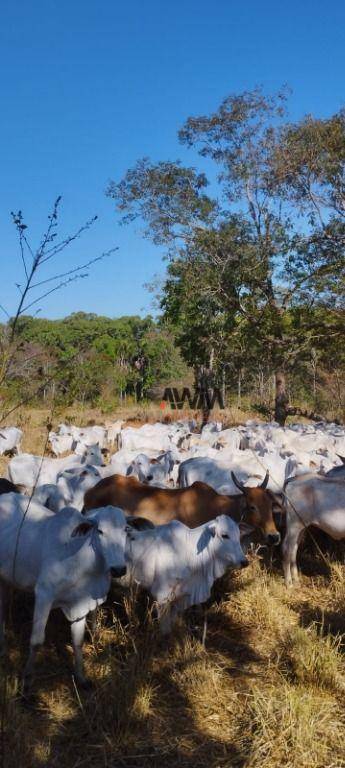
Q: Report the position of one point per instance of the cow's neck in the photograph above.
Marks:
(207, 567)
(234, 506)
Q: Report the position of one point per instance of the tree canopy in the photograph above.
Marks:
(256, 268)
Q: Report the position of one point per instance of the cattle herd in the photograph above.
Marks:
(166, 506)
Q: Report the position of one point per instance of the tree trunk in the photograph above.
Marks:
(239, 388)
(203, 384)
(281, 400)
(223, 385)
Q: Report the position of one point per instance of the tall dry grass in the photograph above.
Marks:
(266, 690)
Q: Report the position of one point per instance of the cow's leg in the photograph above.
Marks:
(165, 619)
(93, 620)
(290, 547)
(3, 596)
(43, 604)
(78, 632)
(287, 544)
(294, 570)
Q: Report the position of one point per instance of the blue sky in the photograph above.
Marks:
(88, 87)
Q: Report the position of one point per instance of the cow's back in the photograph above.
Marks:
(22, 535)
(192, 506)
(317, 500)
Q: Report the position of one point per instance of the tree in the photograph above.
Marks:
(271, 240)
(35, 285)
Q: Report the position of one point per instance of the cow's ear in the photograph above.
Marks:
(83, 528)
(212, 529)
(245, 529)
(139, 523)
(208, 533)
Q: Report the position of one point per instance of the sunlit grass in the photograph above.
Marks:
(266, 690)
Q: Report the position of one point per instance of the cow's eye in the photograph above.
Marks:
(225, 536)
(99, 531)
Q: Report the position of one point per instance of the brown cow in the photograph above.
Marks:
(192, 506)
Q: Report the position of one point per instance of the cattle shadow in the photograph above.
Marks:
(106, 727)
(326, 621)
(54, 653)
(315, 549)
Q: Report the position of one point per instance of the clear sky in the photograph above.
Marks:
(87, 87)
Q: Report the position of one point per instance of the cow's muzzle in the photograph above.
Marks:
(118, 572)
(273, 539)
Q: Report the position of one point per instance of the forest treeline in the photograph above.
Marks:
(90, 358)
(86, 358)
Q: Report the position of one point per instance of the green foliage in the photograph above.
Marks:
(86, 357)
(167, 196)
(256, 277)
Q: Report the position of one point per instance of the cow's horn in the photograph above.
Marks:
(237, 482)
(265, 480)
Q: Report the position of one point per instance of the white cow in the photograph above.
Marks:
(160, 437)
(245, 464)
(113, 431)
(228, 438)
(60, 443)
(27, 470)
(204, 470)
(179, 565)
(311, 500)
(83, 436)
(121, 461)
(70, 488)
(10, 439)
(149, 436)
(86, 436)
(159, 472)
(66, 560)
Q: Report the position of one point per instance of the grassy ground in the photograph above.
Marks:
(266, 690)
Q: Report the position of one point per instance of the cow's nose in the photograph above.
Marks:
(273, 539)
(244, 563)
(118, 572)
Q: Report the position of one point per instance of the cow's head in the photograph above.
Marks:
(260, 504)
(108, 527)
(226, 544)
(93, 455)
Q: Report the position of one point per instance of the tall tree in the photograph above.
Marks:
(272, 239)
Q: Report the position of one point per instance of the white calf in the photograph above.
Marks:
(179, 565)
(66, 560)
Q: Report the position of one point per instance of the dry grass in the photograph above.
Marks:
(266, 691)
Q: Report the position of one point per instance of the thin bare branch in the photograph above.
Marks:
(64, 243)
(56, 288)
